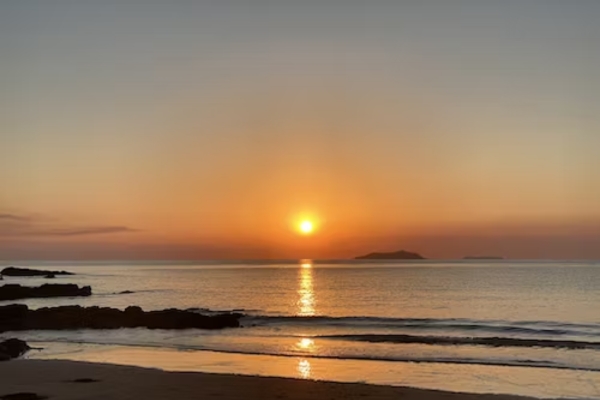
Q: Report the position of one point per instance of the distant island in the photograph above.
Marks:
(483, 258)
(394, 255)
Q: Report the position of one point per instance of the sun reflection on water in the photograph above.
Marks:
(306, 302)
(303, 368)
(306, 344)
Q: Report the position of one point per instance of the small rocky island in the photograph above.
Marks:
(394, 255)
(14, 271)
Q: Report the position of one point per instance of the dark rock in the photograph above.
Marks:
(50, 276)
(14, 271)
(84, 380)
(23, 396)
(134, 310)
(13, 311)
(15, 292)
(126, 292)
(13, 348)
(394, 255)
(19, 317)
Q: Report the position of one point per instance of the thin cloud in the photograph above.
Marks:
(14, 217)
(95, 230)
(15, 225)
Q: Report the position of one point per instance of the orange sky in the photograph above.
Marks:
(208, 131)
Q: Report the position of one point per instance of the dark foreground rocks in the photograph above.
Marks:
(18, 317)
(12, 348)
(23, 396)
(14, 271)
(16, 292)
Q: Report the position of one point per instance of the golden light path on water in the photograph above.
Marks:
(306, 344)
(304, 368)
(306, 307)
(307, 302)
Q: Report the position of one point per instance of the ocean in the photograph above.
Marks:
(516, 327)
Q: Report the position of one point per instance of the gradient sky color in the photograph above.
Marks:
(142, 129)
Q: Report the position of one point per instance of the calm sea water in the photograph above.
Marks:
(530, 328)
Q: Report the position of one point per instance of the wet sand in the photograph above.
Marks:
(81, 380)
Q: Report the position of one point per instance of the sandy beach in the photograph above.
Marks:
(58, 380)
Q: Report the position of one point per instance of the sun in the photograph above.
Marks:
(306, 227)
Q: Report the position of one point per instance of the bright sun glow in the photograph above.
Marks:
(306, 227)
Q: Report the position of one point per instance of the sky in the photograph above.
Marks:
(191, 130)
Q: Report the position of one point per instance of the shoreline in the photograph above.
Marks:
(316, 357)
(56, 379)
(538, 383)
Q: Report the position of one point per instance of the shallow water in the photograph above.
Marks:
(457, 378)
(533, 321)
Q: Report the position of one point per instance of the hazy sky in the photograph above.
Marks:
(188, 129)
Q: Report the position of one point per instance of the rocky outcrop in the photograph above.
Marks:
(394, 255)
(14, 271)
(23, 396)
(18, 317)
(16, 292)
(12, 348)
